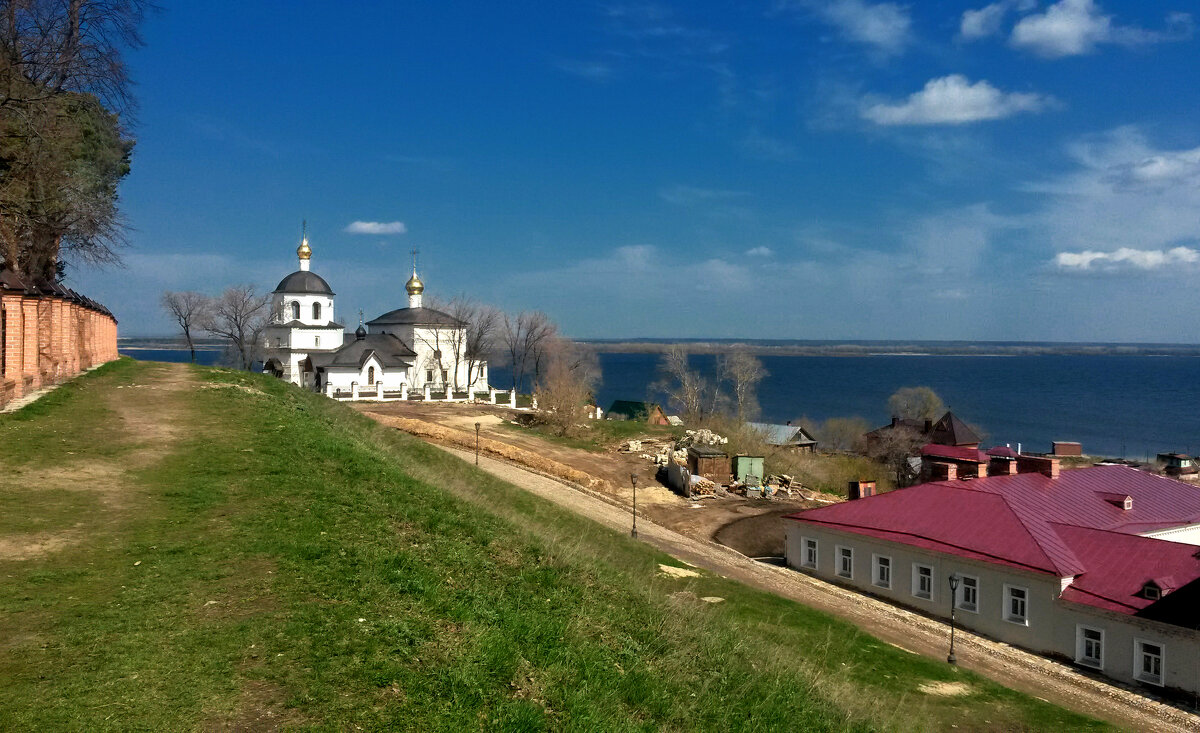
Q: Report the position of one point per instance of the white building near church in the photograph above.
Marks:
(406, 351)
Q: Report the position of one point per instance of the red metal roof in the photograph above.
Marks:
(954, 452)
(1060, 526)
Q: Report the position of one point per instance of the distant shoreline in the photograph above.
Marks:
(896, 348)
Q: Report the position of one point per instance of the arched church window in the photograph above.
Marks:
(295, 310)
(316, 311)
(370, 375)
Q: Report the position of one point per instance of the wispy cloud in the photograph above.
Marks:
(376, 227)
(591, 70)
(760, 252)
(987, 21)
(954, 100)
(757, 144)
(1127, 257)
(884, 27)
(1077, 27)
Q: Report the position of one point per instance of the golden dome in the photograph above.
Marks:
(304, 252)
(414, 286)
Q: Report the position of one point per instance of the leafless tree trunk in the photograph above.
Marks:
(189, 309)
(689, 392)
(564, 389)
(480, 339)
(743, 371)
(239, 315)
(524, 336)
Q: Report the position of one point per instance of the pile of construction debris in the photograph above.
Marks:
(663, 451)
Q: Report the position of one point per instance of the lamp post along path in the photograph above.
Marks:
(476, 444)
(954, 580)
(633, 479)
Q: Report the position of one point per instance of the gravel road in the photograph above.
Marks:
(1043, 678)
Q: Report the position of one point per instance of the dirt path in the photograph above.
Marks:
(146, 418)
(1009, 666)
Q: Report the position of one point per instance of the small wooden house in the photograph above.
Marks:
(710, 462)
(644, 412)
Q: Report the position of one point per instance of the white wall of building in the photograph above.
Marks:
(1050, 626)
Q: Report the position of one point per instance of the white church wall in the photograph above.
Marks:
(282, 310)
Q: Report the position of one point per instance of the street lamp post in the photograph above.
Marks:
(476, 444)
(633, 480)
(954, 579)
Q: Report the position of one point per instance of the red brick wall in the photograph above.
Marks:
(48, 339)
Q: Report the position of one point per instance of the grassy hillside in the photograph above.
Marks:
(193, 548)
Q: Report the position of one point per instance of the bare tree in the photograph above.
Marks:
(238, 315)
(524, 336)
(190, 310)
(916, 403)
(743, 371)
(893, 448)
(565, 386)
(471, 344)
(689, 392)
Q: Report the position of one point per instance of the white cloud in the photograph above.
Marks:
(886, 27)
(760, 252)
(376, 227)
(1076, 27)
(986, 21)
(954, 100)
(1126, 257)
(1123, 193)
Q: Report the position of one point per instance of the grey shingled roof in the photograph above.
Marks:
(391, 352)
(305, 283)
(416, 317)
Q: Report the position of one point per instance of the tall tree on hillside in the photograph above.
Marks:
(475, 341)
(842, 433)
(743, 371)
(190, 310)
(63, 149)
(238, 315)
(916, 403)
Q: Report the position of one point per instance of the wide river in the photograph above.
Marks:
(1131, 406)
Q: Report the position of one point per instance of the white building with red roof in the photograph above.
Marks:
(1099, 566)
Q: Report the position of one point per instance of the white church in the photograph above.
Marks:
(412, 350)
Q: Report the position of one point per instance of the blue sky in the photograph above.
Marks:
(1017, 170)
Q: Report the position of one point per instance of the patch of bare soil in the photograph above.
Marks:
(944, 689)
(30, 545)
(244, 591)
(148, 415)
(260, 708)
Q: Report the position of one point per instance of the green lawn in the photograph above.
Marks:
(272, 558)
(600, 435)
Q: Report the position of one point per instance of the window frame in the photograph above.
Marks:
(804, 551)
(876, 566)
(1081, 646)
(1022, 620)
(843, 552)
(1139, 655)
(916, 581)
(316, 310)
(961, 592)
(295, 310)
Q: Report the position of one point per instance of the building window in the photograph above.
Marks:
(437, 354)
(1148, 662)
(883, 571)
(968, 594)
(370, 376)
(810, 554)
(922, 581)
(1089, 646)
(1016, 602)
(445, 376)
(316, 311)
(278, 343)
(295, 310)
(845, 562)
(1151, 591)
(428, 375)
(316, 341)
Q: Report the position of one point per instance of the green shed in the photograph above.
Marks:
(745, 466)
